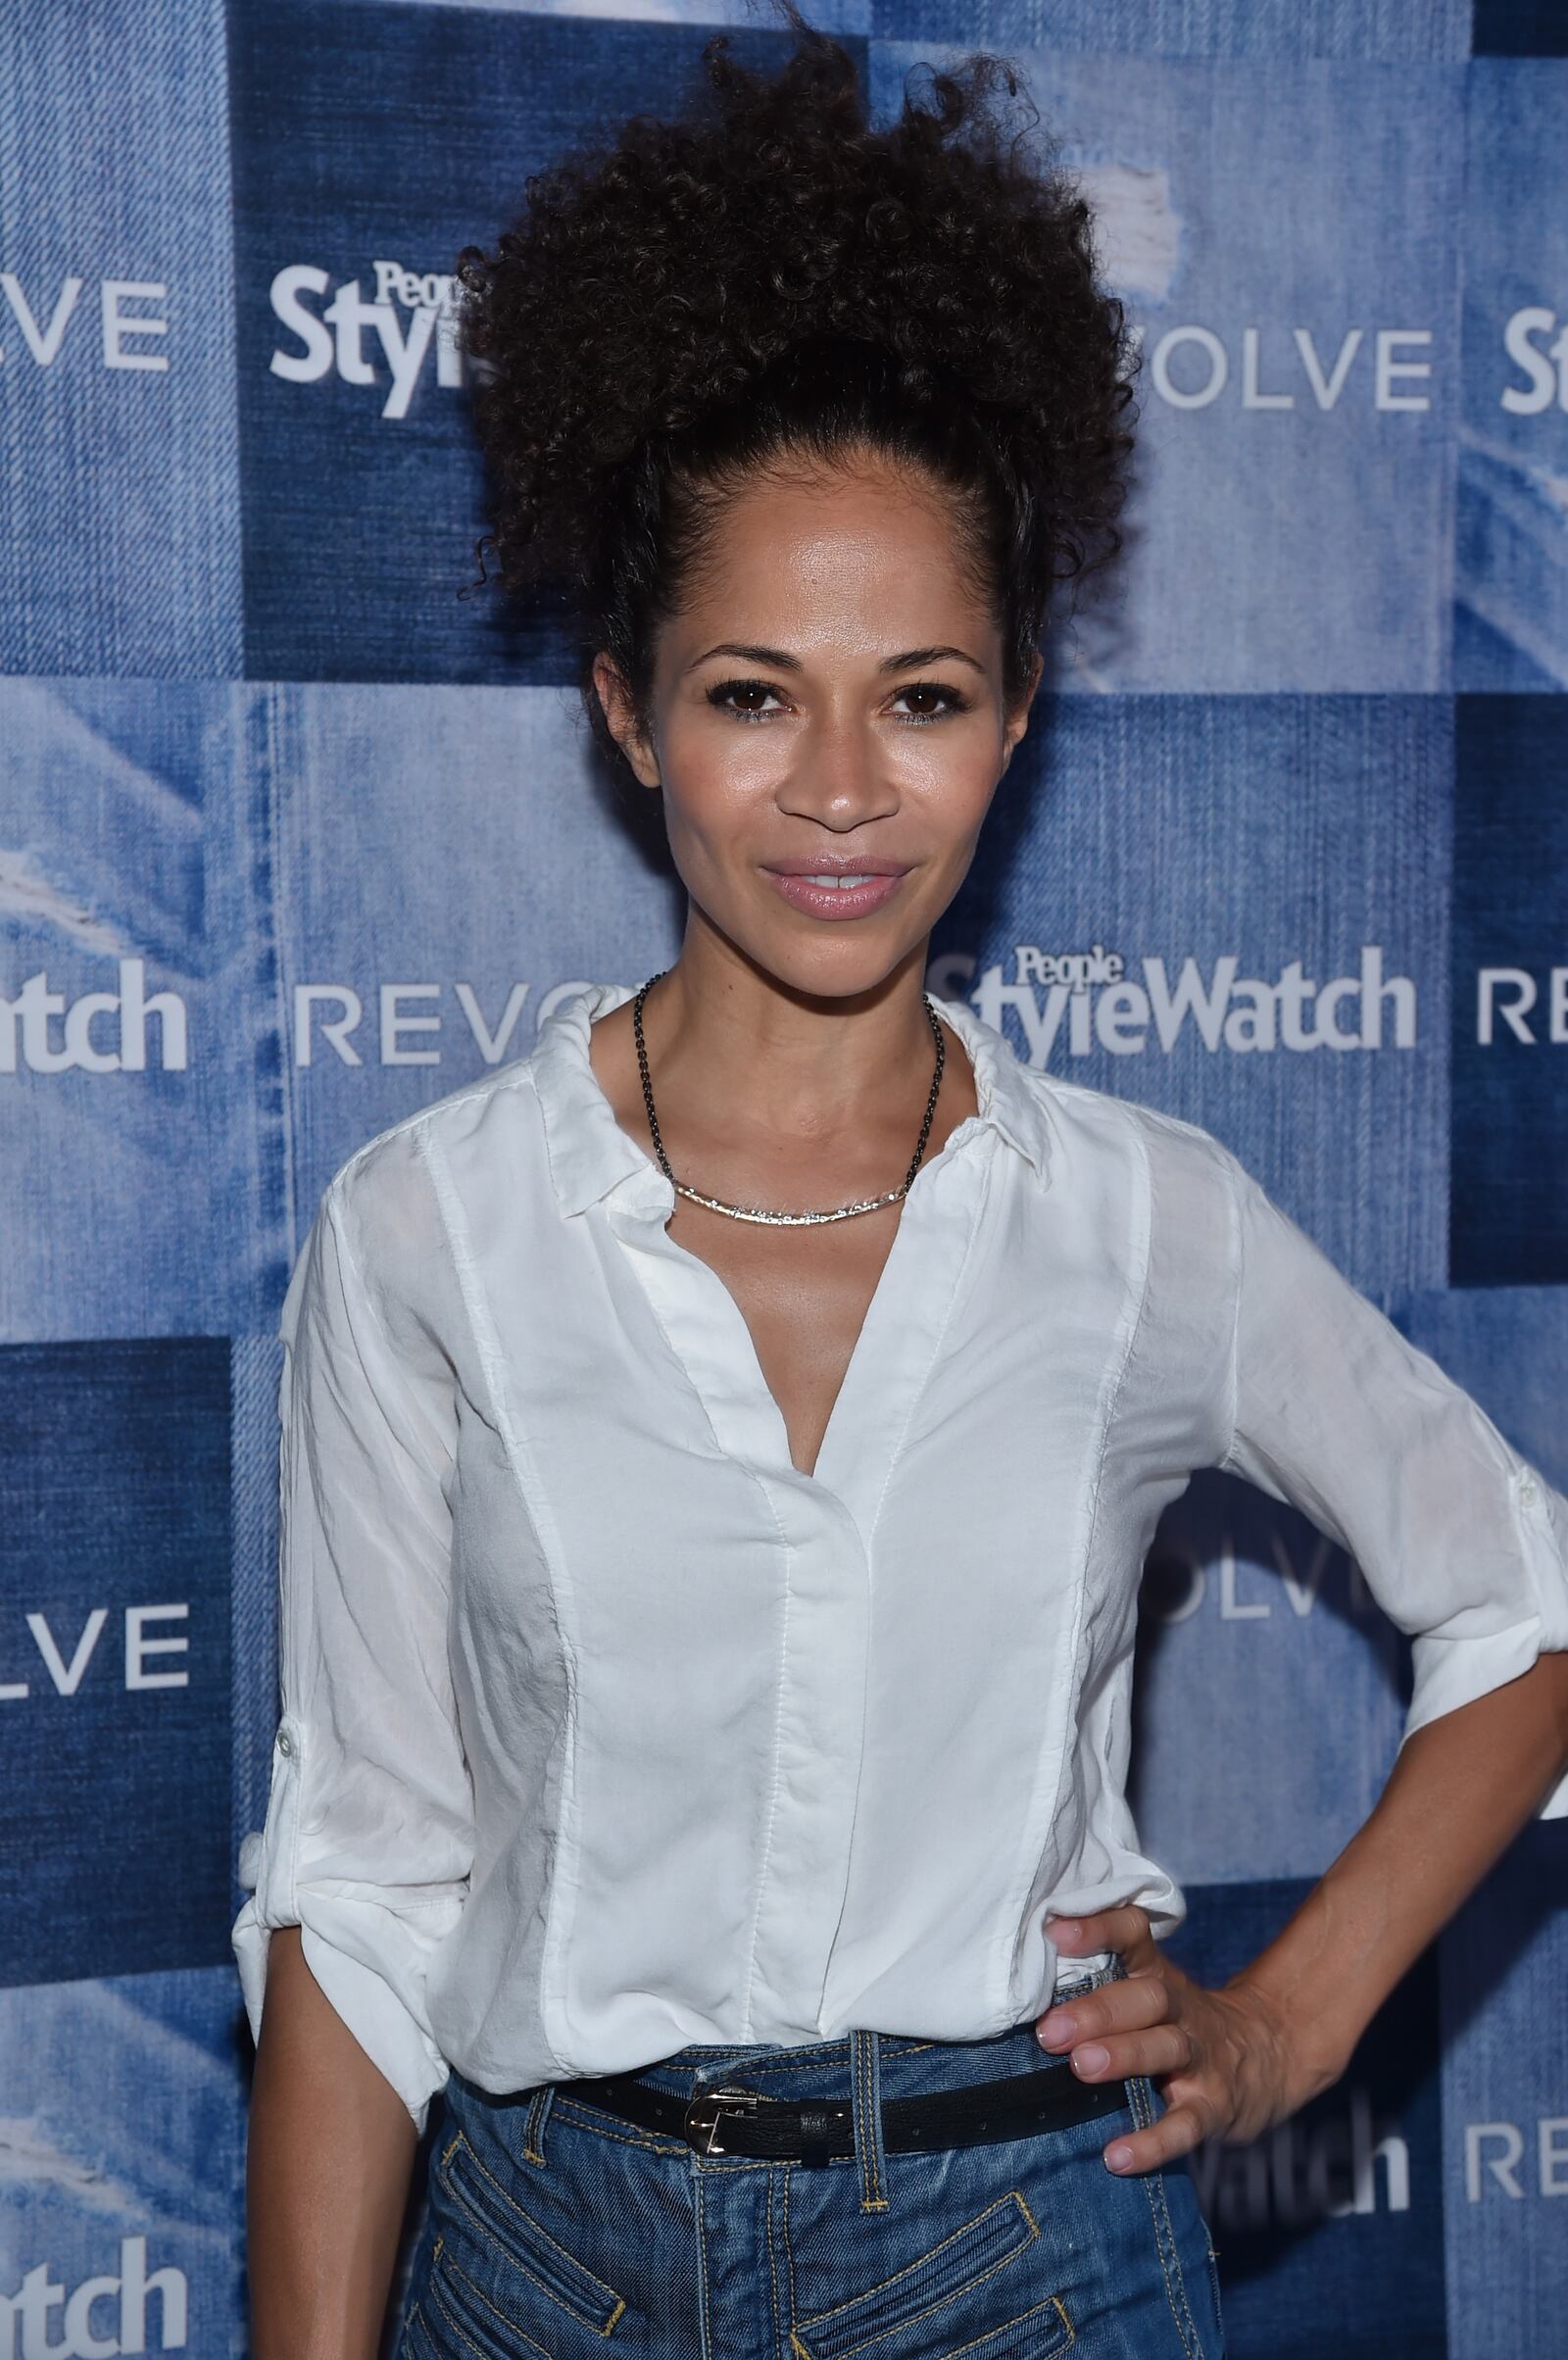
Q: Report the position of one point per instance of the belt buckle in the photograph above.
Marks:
(701, 2122)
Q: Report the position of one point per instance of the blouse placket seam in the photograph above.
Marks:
(1238, 1261)
(777, 1781)
(762, 1484)
(981, 1196)
(1137, 1296)
(291, 1721)
(487, 1346)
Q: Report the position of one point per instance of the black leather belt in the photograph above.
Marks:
(735, 2120)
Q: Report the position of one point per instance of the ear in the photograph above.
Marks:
(620, 718)
(1018, 717)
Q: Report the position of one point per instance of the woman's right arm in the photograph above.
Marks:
(327, 2173)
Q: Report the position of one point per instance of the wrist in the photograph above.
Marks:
(1312, 2045)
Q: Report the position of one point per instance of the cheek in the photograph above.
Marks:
(715, 797)
(951, 790)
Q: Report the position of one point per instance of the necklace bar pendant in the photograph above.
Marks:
(786, 1220)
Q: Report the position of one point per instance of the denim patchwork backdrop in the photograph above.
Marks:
(298, 831)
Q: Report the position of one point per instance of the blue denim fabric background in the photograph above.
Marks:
(1511, 602)
(114, 1498)
(1384, 30)
(1510, 1110)
(1322, 538)
(360, 526)
(252, 737)
(1266, 828)
(119, 553)
(125, 2119)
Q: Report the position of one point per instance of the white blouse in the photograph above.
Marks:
(604, 1730)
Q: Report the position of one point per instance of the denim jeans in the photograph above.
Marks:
(555, 2228)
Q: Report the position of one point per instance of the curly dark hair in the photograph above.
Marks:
(770, 276)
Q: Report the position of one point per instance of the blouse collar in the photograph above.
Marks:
(590, 1153)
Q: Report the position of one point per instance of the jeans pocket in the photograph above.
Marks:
(498, 2276)
(956, 2296)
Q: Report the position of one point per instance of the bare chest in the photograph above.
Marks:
(804, 1293)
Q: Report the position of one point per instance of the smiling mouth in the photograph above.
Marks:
(836, 893)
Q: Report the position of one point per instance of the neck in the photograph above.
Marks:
(780, 1060)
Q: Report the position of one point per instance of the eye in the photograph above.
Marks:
(953, 701)
(722, 690)
(724, 696)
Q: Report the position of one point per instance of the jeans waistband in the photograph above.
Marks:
(908, 2062)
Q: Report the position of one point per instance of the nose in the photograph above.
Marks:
(841, 778)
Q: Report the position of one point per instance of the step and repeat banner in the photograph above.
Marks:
(298, 830)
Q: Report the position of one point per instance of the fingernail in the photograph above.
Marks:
(1070, 1926)
(1118, 2158)
(1093, 2059)
(1061, 2032)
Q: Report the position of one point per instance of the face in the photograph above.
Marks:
(828, 706)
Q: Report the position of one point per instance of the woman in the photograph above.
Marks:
(721, 1448)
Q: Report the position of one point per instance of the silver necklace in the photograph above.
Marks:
(758, 1212)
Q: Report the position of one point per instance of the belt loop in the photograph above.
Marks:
(533, 2128)
(865, 2076)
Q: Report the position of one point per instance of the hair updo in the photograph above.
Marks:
(770, 276)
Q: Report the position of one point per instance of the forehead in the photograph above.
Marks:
(868, 550)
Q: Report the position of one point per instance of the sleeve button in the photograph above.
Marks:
(1528, 1490)
(285, 1744)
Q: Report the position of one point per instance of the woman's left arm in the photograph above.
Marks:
(1464, 1544)
(1234, 2061)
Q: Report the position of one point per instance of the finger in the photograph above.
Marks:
(1136, 2001)
(1168, 2049)
(1178, 2130)
(1122, 1928)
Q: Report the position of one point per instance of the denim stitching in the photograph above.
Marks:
(1213, 2281)
(789, 2256)
(1140, 2091)
(1179, 2276)
(466, 2341)
(512, 2325)
(725, 2053)
(533, 2130)
(453, 2327)
(1014, 2197)
(585, 2118)
(570, 2259)
(912, 2318)
(701, 2268)
(868, 2123)
(1052, 2302)
(772, 2256)
(515, 2260)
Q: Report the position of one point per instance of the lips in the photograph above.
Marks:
(836, 890)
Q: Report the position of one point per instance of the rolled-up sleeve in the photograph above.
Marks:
(1462, 1542)
(368, 1841)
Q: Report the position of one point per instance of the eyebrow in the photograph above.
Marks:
(781, 660)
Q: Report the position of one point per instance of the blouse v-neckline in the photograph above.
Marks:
(701, 1316)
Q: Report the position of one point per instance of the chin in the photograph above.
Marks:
(831, 971)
